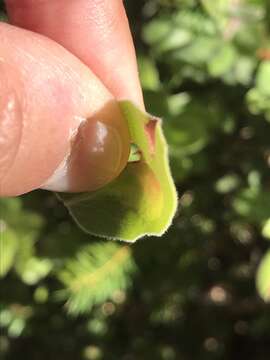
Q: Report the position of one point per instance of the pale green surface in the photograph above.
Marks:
(142, 200)
(263, 277)
(266, 229)
(8, 249)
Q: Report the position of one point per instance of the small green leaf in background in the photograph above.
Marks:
(258, 97)
(263, 278)
(266, 229)
(14, 318)
(8, 248)
(222, 61)
(36, 269)
(263, 77)
(218, 9)
(19, 230)
(149, 75)
(190, 131)
(166, 35)
(94, 275)
(142, 200)
(227, 183)
(253, 204)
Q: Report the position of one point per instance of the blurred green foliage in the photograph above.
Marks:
(205, 69)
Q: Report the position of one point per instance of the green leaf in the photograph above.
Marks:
(258, 97)
(94, 275)
(142, 200)
(263, 78)
(243, 69)
(218, 9)
(266, 229)
(156, 31)
(190, 131)
(253, 204)
(263, 277)
(222, 61)
(35, 269)
(149, 75)
(166, 35)
(227, 183)
(8, 248)
(22, 224)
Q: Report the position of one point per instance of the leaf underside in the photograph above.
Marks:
(142, 200)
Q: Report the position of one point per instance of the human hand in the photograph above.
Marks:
(60, 124)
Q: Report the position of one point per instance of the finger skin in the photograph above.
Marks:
(49, 101)
(96, 31)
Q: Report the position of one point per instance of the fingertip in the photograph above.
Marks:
(96, 31)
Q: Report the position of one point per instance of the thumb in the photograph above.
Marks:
(60, 128)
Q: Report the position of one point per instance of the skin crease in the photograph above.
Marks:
(61, 112)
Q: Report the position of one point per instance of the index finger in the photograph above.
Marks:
(96, 31)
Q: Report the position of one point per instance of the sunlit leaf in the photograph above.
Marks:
(142, 200)
(258, 97)
(263, 78)
(218, 9)
(166, 35)
(94, 275)
(263, 277)
(149, 75)
(222, 61)
(21, 224)
(266, 229)
(227, 183)
(35, 269)
(8, 248)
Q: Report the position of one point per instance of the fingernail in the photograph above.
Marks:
(99, 153)
(97, 157)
